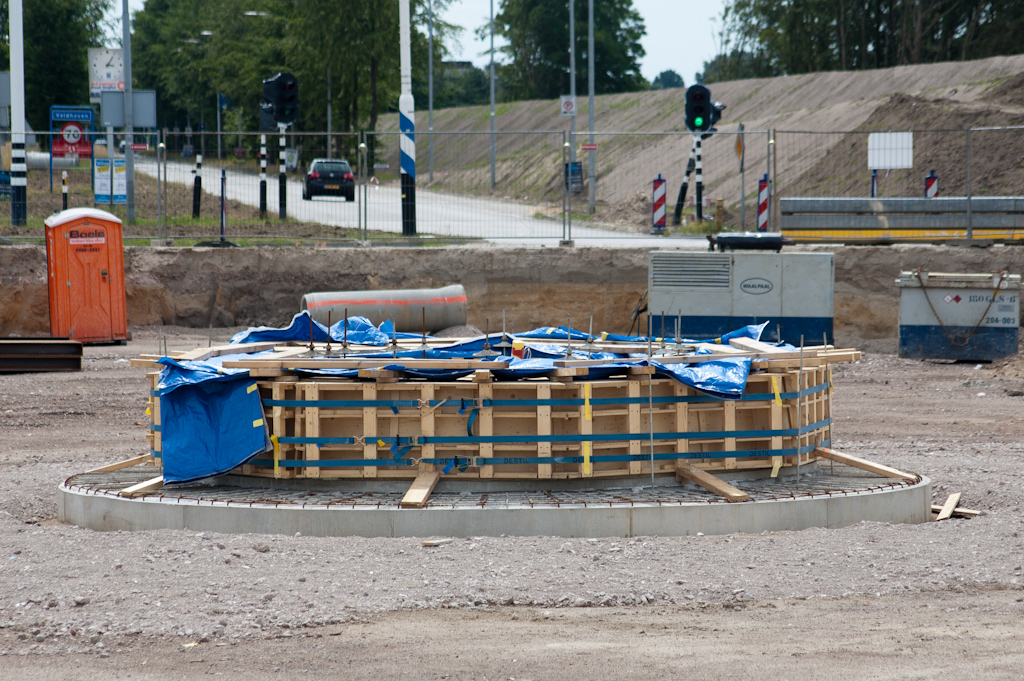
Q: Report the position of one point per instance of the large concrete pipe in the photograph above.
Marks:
(445, 307)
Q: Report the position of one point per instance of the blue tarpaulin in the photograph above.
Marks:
(210, 428)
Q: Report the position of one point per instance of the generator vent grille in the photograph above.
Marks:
(690, 270)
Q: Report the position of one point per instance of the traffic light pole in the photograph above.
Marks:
(699, 168)
(282, 178)
(263, 177)
(677, 217)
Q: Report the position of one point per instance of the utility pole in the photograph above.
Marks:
(19, 179)
(430, 83)
(492, 95)
(592, 154)
(407, 123)
(218, 127)
(129, 155)
(572, 84)
(330, 138)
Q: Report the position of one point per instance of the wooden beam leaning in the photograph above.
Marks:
(864, 464)
(685, 471)
(141, 488)
(948, 507)
(959, 510)
(420, 489)
(127, 463)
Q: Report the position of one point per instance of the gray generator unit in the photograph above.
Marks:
(946, 315)
(705, 295)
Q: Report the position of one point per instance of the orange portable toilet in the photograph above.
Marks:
(85, 260)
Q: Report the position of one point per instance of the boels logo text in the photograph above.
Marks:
(87, 237)
(756, 286)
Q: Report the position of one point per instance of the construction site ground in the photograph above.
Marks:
(869, 601)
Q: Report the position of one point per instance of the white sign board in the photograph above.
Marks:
(567, 105)
(890, 150)
(106, 72)
(103, 178)
(143, 109)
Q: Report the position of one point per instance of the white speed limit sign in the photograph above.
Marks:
(71, 132)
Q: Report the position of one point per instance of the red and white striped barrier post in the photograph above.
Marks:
(762, 204)
(931, 185)
(658, 216)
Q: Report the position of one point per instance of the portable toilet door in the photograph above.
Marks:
(85, 261)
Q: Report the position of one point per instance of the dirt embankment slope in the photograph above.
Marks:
(822, 107)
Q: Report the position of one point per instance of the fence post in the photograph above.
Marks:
(197, 187)
(970, 217)
(565, 181)
(282, 178)
(263, 177)
(159, 189)
(768, 174)
(64, 188)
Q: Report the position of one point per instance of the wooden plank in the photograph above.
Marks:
(142, 363)
(485, 425)
(775, 423)
(370, 429)
(141, 488)
(312, 394)
(666, 359)
(959, 510)
(436, 542)
(765, 349)
(127, 463)
(730, 425)
(200, 354)
(710, 483)
(948, 507)
(427, 427)
(339, 363)
(864, 464)
(420, 489)
(544, 428)
(586, 427)
(635, 425)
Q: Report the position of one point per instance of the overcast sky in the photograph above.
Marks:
(680, 33)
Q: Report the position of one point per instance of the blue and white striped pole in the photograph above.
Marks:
(407, 125)
(19, 171)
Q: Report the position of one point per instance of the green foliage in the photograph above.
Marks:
(459, 84)
(58, 35)
(666, 80)
(537, 32)
(774, 37)
(354, 44)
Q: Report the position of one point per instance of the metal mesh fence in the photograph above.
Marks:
(456, 198)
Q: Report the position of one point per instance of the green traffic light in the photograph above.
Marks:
(698, 121)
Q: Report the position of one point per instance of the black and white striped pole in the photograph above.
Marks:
(699, 169)
(282, 178)
(197, 186)
(263, 177)
(19, 179)
(677, 216)
(407, 124)
(64, 189)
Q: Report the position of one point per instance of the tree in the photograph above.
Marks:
(667, 79)
(537, 32)
(773, 37)
(58, 35)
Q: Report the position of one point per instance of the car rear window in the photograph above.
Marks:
(332, 167)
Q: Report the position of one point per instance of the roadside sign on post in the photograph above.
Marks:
(567, 105)
(590, 146)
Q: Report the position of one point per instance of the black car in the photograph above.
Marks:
(329, 177)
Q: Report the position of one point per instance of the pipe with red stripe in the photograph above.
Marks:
(445, 307)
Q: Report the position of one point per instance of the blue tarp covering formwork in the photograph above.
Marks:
(212, 418)
(361, 331)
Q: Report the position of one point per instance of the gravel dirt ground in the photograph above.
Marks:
(872, 601)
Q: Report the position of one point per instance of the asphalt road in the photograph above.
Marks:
(439, 214)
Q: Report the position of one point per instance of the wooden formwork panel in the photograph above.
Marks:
(507, 430)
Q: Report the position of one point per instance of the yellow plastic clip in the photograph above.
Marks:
(604, 335)
(257, 423)
(277, 455)
(775, 389)
(381, 443)
(251, 388)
